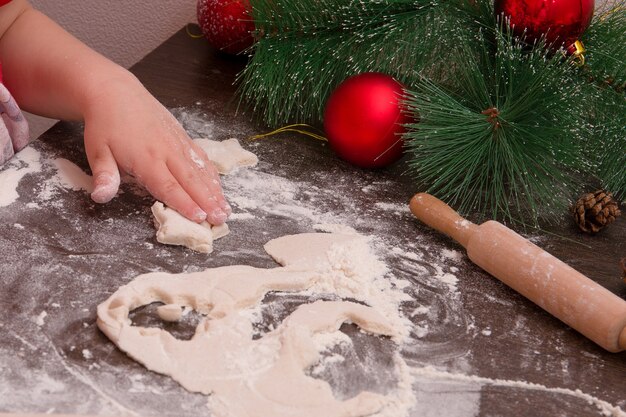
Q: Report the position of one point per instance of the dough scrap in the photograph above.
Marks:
(174, 229)
(288, 250)
(245, 376)
(227, 155)
(170, 312)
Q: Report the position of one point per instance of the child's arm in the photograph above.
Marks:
(51, 73)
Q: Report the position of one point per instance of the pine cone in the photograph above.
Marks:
(594, 211)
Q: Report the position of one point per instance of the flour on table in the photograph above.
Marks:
(39, 320)
(68, 176)
(174, 229)
(334, 228)
(24, 162)
(474, 383)
(71, 176)
(227, 155)
(264, 376)
(397, 208)
(241, 216)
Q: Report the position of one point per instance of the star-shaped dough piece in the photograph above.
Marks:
(174, 229)
(227, 155)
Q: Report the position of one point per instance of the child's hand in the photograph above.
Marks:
(53, 74)
(126, 127)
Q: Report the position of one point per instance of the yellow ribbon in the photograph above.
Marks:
(297, 128)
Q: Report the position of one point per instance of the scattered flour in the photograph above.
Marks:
(463, 223)
(394, 207)
(438, 273)
(196, 158)
(243, 202)
(67, 176)
(39, 320)
(420, 331)
(450, 254)
(241, 216)
(449, 279)
(325, 362)
(270, 195)
(420, 310)
(335, 228)
(325, 341)
(25, 162)
(195, 122)
(70, 176)
(432, 373)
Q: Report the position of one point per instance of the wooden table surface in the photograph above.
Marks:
(63, 255)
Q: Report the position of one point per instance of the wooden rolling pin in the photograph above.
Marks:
(556, 287)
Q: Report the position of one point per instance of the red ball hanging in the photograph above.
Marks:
(226, 24)
(562, 21)
(363, 120)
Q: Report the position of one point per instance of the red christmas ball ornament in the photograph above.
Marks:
(363, 120)
(226, 24)
(562, 21)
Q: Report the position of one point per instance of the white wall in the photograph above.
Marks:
(124, 31)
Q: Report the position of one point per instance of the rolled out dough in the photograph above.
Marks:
(246, 377)
(174, 229)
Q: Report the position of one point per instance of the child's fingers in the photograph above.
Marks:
(204, 189)
(212, 178)
(166, 188)
(106, 175)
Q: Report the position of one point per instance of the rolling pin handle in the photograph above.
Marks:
(440, 216)
(622, 339)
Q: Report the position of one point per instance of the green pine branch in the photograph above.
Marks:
(307, 47)
(505, 130)
(604, 77)
(605, 41)
(605, 146)
(505, 142)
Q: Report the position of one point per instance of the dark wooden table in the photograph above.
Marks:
(63, 255)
